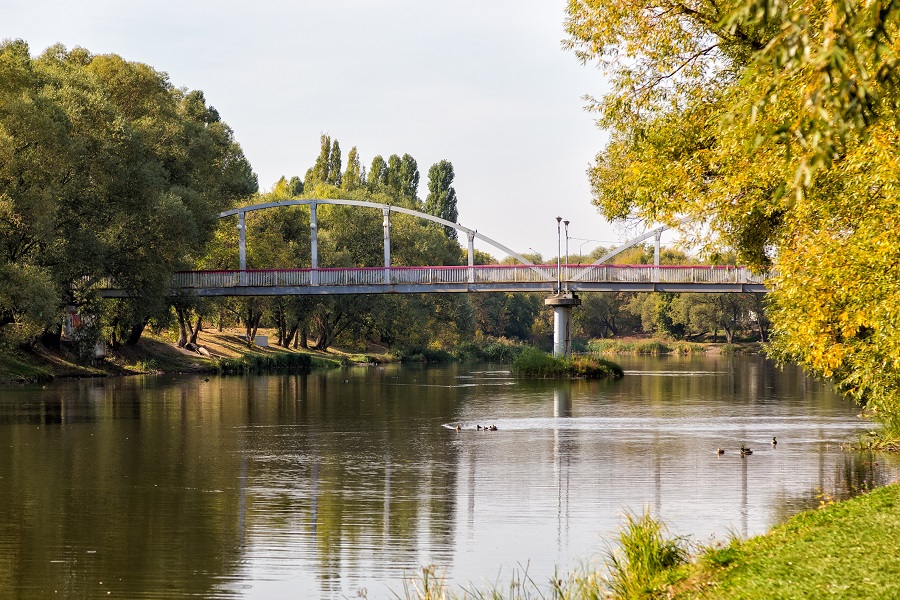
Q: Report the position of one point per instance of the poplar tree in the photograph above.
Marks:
(353, 176)
(377, 173)
(441, 199)
(409, 177)
(334, 165)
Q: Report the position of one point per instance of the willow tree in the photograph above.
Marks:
(774, 124)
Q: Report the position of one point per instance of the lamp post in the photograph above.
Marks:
(583, 242)
(562, 301)
(567, 255)
(558, 253)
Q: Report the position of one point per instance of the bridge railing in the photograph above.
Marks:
(375, 276)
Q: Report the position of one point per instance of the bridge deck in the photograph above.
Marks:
(483, 278)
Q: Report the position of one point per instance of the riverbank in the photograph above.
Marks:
(160, 354)
(224, 351)
(849, 549)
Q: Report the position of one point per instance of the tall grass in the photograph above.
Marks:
(627, 347)
(499, 350)
(271, 363)
(638, 567)
(422, 354)
(532, 362)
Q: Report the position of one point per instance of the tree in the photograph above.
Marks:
(334, 165)
(107, 170)
(441, 199)
(774, 124)
(354, 176)
(377, 173)
(409, 177)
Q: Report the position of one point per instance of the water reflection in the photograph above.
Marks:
(319, 486)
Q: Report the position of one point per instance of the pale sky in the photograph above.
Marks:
(484, 84)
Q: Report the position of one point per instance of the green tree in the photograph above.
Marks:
(441, 199)
(107, 170)
(409, 177)
(377, 173)
(774, 124)
(354, 175)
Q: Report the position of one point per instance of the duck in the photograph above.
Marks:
(745, 451)
(719, 451)
(493, 428)
(479, 427)
(457, 428)
(774, 441)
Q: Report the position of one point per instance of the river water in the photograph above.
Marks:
(344, 484)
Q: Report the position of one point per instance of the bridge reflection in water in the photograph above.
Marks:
(482, 278)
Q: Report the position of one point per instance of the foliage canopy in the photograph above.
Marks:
(774, 123)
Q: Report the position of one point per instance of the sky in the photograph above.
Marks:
(484, 84)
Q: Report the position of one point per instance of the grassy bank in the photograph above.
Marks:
(846, 550)
(849, 550)
(655, 347)
(226, 352)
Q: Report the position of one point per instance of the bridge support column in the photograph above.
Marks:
(242, 246)
(562, 304)
(471, 257)
(313, 245)
(387, 245)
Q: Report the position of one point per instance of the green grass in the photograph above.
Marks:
(421, 354)
(272, 363)
(648, 347)
(496, 350)
(846, 550)
(850, 549)
(14, 370)
(532, 362)
(641, 564)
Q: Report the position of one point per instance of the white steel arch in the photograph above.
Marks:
(386, 209)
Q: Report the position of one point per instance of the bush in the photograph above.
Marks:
(422, 354)
(489, 350)
(532, 362)
(270, 363)
(653, 347)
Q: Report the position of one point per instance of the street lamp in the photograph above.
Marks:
(567, 256)
(583, 242)
(558, 253)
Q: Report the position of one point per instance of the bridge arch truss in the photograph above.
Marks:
(386, 209)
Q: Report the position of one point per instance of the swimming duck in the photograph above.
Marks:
(457, 428)
(719, 451)
(774, 441)
(745, 451)
(493, 428)
(479, 427)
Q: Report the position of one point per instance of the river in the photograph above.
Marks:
(343, 484)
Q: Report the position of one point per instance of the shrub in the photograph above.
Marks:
(532, 362)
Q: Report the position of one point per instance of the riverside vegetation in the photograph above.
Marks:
(848, 549)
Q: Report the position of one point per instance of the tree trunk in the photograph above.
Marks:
(251, 324)
(304, 337)
(196, 329)
(291, 336)
(760, 319)
(134, 334)
(182, 326)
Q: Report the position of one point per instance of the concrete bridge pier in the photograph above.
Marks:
(562, 304)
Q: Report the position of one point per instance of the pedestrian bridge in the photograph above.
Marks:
(524, 277)
(482, 278)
